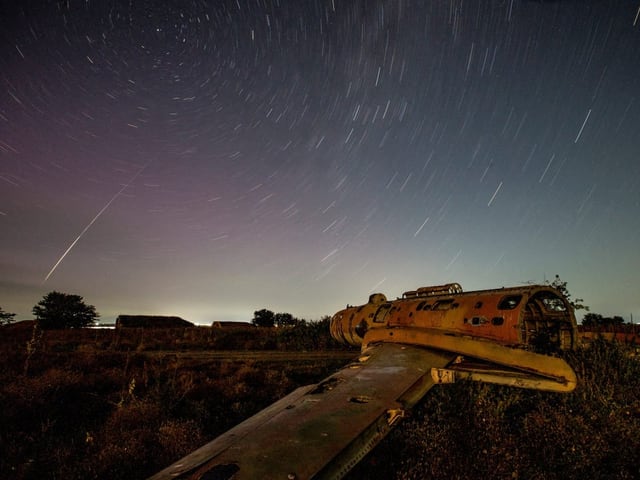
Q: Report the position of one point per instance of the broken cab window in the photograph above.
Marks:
(554, 304)
(510, 302)
(443, 305)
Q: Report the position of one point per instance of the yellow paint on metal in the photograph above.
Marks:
(553, 369)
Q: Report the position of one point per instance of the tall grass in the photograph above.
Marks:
(98, 405)
(471, 430)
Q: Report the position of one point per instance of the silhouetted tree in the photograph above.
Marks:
(63, 310)
(263, 318)
(597, 320)
(5, 317)
(592, 320)
(561, 286)
(616, 320)
(285, 320)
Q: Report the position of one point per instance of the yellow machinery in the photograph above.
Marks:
(507, 327)
(510, 336)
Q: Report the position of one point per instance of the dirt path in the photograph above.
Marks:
(255, 355)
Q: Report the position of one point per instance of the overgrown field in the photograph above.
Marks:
(103, 404)
(472, 431)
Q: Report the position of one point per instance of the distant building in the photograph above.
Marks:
(218, 324)
(151, 321)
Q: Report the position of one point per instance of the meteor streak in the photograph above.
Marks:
(92, 222)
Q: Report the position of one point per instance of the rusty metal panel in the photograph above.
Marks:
(515, 316)
(320, 431)
(557, 373)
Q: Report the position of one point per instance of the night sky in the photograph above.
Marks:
(211, 158)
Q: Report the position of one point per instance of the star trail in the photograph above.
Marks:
(211, 158)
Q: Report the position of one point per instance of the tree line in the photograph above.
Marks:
(63, 310)
(59, 310)
(267, 318)
(589, 319)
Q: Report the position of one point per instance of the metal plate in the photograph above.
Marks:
(319, 431)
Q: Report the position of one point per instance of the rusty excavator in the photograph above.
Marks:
(432, 335)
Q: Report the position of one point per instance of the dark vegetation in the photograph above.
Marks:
(597, 320)
(267, 318)
(473, 430)
(5, 317)
(64, 310)
(122, 404)
(80, 403)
